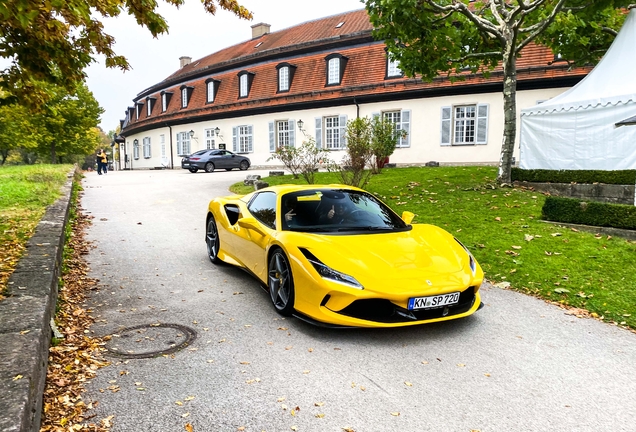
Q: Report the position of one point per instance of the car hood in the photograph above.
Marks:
(426, 257)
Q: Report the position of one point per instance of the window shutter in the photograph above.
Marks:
(272, 140)
(446, 126)
(343, 131)
(319, 132)
(234, 140)
(406, 126)
(292, 133)
(250, 147)
(482, 124)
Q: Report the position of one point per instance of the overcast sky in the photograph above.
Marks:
(193, 33)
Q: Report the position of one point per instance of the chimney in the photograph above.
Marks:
(184, 61)
(259, 30)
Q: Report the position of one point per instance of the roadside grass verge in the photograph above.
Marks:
(25, 193)
(503, 229)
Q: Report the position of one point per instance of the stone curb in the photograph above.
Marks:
(25, 316)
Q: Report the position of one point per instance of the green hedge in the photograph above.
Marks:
(624, 177)
(576, 211)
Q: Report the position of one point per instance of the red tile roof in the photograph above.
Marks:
(364, 76)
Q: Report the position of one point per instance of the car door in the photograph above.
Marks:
(255, 231)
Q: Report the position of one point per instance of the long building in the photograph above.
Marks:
(278, 88)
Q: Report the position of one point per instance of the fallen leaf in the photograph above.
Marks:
(487, 374)
(556, 234)
(294, 428)
(188, 427)
(395, 414)
(408, 384)
(319, 404)
(280, 399)
(179, 403)
(319, 415)
(516, 247)
(17, 377)
(498, 219)
(282, 328)
(185, 415)
(528, 237)
(460, 365)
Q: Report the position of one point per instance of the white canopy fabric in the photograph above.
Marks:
(576, 130)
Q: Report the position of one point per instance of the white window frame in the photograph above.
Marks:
(137, 106)
(162, 141)
(146, 146)
(243, 139)
(148, 108)
(164, 102)
(210, 138)
(395, 117)
(464, 124)
(333, 71)
(282, 134)
(283, 78)
(393, 68)
(184, 97)
(136, 149)
(243, 85)
(183, 143)
(210, 89)
(332, 133)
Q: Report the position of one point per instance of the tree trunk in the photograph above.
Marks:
(510, 114)
(53, 157)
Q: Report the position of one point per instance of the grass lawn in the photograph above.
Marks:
(503, 229)
(25, 192)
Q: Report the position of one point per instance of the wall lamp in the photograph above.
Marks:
(300, 126)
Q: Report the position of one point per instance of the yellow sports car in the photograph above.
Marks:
(335, 255)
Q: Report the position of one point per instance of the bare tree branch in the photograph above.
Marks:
(536, 29)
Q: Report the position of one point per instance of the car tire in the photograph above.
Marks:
(209, 167)
(281, 283)
(228, 169)
(244, 165)
(193, 170)
(212, 241)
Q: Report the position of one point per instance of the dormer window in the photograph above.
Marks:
(393, 69)
(138, 107)
(283, 79)
(245, 83)
(165, 100)
(336, 64)
(150, 104)
(186, 93)
(212, 86)
(285, 76)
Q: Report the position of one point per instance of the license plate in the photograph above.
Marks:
(186, 164)
(433, 301)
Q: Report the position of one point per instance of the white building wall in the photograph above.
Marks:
(425, 136)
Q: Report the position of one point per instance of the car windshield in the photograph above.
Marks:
(337, 211)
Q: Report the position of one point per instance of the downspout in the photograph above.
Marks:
(357, 107)
(171, 155)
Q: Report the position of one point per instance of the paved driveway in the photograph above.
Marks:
(519, 364)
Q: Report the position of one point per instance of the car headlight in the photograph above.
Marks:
(471, 260)
(329, 273)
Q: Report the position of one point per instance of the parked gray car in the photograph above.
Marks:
(209, 160)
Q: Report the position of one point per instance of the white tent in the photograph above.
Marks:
(578, 129)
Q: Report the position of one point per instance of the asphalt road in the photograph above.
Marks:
(519, 364)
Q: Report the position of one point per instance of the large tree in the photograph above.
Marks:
(433, 37)
(54, 41)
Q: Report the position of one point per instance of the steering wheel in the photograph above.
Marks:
(354, 215)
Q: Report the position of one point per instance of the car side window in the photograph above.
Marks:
(263, 208)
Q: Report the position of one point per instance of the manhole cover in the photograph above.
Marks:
(150, 340)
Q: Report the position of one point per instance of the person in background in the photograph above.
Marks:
(102, 162)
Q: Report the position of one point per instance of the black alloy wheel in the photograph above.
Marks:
(281, 283)
(209, 167)
(212, 240)
(244, 165)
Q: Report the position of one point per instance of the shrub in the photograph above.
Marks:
(623, 177)
(290, 157)
(352, 169)
(311, 159)
(384, 138)
(576, 211)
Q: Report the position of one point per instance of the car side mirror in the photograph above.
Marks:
(407, 216)
(250, 223)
